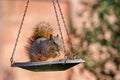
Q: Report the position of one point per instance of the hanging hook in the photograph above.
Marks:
(66, 58)
(11, 60)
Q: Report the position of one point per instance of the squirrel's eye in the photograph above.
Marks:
(54, 43)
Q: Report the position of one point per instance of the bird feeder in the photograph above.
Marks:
(56, 65)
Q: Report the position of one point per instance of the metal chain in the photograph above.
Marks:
(65, 26)
(59, 26)
(14, 49)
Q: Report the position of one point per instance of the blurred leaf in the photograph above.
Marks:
(95, 7)
(72, 28)
(104, 9)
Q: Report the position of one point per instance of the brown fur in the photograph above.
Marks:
(42, 30)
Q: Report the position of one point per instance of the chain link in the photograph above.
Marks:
(65, 26)
(56, 13)
(66, 56)
(14, 49)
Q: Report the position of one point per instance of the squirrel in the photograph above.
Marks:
(43, 45)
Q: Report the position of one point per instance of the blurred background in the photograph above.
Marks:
(94, 27)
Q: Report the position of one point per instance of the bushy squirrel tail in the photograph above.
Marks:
(42, 30)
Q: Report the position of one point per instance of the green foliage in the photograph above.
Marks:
(72, 28)
(104, 9)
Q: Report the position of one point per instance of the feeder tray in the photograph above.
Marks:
(58, 65)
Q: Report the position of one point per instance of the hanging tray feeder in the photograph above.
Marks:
(57, 65)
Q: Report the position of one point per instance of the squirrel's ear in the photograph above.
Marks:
(57, 35)
(51, 36)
